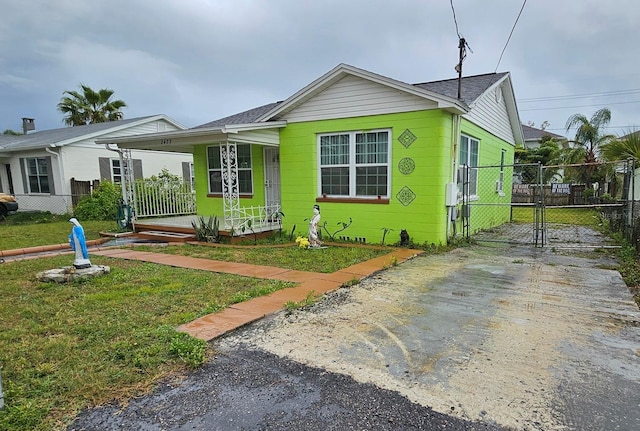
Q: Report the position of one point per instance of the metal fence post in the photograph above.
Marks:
(1, 393)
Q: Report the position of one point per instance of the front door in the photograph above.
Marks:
(272, 177)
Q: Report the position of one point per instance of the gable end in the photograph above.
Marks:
(352, 96)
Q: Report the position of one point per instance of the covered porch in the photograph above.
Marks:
(216, 186)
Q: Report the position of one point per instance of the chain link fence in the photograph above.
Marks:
(564, 205)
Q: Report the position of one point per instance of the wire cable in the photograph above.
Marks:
(510, 34)
(455, 20)
(581, 96)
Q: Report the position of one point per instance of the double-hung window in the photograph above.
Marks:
(118, 173)
(355, 164)
(245, 172)
(469, 157)
(38, 172)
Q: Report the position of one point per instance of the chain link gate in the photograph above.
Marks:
(580, 201)
(502, 203)
(546, 205)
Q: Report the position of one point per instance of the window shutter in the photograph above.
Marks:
(52, 187)
(23, 171)
(186, 172)
(137, 168)
(105, 168)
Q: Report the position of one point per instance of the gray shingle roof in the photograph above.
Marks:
(472, 87)
(245, 117)
(533, 134)
(46, 138)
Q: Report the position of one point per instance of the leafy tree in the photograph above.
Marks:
(549, 153)
(89, 106)
(589, 138)
(12, 132)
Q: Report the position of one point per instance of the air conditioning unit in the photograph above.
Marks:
(499, 186)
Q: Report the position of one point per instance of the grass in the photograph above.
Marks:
(22, 230)
(629, 268)
(573, 216)
(326, 260)
(308, 301)
(64, 347)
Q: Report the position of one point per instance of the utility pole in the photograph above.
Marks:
(463, 54)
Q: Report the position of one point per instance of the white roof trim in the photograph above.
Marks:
(115, 129)
(341, 70)
(191, 133)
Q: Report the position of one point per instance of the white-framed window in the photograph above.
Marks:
(192, 174)
(469, 157)
(245, 171)
(355, 164)
(117, 172)
(38, 175)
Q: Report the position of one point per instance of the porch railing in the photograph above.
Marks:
(163, 199)
(256, 218)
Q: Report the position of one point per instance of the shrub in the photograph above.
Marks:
(102, 204)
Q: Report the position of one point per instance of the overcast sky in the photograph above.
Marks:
(200, 60)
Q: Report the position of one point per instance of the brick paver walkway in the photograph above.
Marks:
(214, 325)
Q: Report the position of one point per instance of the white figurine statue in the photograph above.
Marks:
(314, 240)
(79, 245)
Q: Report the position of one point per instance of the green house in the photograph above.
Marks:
(377, 155)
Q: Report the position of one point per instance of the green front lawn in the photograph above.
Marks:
(24, 230)
(574, 216)
(326, 260)
(64, 347)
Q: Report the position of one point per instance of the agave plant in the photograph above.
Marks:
(207, 230)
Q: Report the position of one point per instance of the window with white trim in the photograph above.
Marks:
(38, 174)
(469, 157)
(117, 173)
(245, 171)
(355, 164)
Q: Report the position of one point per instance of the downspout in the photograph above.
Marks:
(455, 136)
(122, 183)
(60, 173)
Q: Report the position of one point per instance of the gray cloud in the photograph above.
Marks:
(199, 60)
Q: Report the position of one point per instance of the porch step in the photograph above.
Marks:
(166, 236)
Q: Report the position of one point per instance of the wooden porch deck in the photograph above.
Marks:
(179, 229)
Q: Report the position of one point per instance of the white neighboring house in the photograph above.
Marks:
(38, 167)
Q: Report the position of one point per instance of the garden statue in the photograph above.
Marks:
(79, 245)
(314, 240)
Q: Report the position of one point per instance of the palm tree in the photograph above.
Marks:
(89, 106)
(627, 147)
(586, 145)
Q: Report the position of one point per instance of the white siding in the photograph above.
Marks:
(490, 113)
(356, 97)
(81, 163)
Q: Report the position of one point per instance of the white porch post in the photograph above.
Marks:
(230, 187)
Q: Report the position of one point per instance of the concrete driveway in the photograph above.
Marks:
(520, 337)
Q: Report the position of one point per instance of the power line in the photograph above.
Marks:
(578, 106)
(455, 20)
(510, 34)
(580, 96)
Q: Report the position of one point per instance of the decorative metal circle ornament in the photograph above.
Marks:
(407, 138)
(406, 165)
(405, 196)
